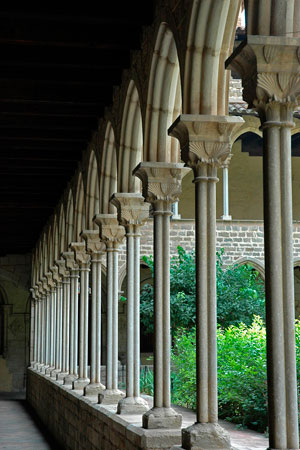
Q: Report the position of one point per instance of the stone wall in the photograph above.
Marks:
(79, 424)
(14, 317)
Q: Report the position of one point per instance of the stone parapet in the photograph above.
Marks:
(78, 423)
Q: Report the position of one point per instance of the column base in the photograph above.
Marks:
(205, 436)
(93, 389)
(162, 418)
(39, 367)
(49, 370)
(54, 373)
(35, 366)
(44, 368)
(110, 396)
(226, 218)
(68, 380)
(61, 375)
(80, 383)
(132, 405)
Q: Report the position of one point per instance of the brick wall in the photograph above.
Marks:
(79, 424)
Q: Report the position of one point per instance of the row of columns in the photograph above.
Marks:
(205, 143)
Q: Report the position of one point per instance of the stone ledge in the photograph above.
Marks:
(95, 425)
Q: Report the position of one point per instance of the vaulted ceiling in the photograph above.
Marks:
(57, 72)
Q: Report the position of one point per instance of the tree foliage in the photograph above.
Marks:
(240, 293)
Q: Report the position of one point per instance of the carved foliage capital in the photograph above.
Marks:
(55, 274)
(69, 258)
(161, 181)
(110, 230)
(270, 69)
(93, 242)
(81, 256)
(205, 139)
(61, 264)
(132, 208)
(50, 280)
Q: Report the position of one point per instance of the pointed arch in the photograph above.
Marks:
(164, 103)
(210, 41)
(70, 219)
(55, 239)
(79, 215)
(61, 230)
(50, 247)
(93, 191)
(108, 171)
(131, 142)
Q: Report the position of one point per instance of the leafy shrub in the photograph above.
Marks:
(242, 385)
(147, 381)
(240, 293)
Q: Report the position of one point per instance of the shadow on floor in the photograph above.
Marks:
(20, 427)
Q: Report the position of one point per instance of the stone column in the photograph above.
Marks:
(36, 327)
(32, 329)
(65, 308)
(226, 215)
(95, 248)
(161, 187)
(132, 213)
(51, 361)
(205, 146)
(58, 323)
(41, 319)
(83, 261)
(46, 322)
(270, 71)
(112, 235)
(73, 267)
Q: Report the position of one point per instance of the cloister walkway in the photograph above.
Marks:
(19, 428)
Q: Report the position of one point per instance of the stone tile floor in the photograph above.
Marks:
(19, 428)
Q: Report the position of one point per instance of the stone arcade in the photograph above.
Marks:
(169, 122)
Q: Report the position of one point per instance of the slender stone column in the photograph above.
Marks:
(226, 215)
(36, 327)
(41, 325)
(32, 329)
(112, 235)
(73, 351)
(132, 212)
(95, 248)
(65, 308)
(58, 323)
(46, 324)
(51, 285)
(83, 260)
(161, 187)
(270, 71)
(205, 146)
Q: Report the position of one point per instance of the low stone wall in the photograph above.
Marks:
(78, 423)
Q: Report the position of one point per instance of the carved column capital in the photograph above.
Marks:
(161, 181)
(132, 208)
(270, 69)
(70, 262)
(93, 243)
(50, 280)
(55, 274)
(205, 139)
(81, 256)
(111, 233)
(62, 270)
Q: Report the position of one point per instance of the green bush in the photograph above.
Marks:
(240, 293)
(242, 386)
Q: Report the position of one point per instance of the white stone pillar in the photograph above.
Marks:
(83, 260)
(270, 71)
(36, 327)
(51, 284)
(112, 235)
(73, 267)
(161, 187)
(95, 248)
(132, 212)
(205, 146)
(58, 323)
(226, 215)
(41, 326)
(65, 275)
(46, 320)
(32, 328)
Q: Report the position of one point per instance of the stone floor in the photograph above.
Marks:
(20, 428)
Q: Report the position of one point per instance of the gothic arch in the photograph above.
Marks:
(131, 142)
(92, 198)
(79, 216)
(210, 41)
(70, 219)
(108, 171)
(62, 230)
(164, 101)
(253, 262)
